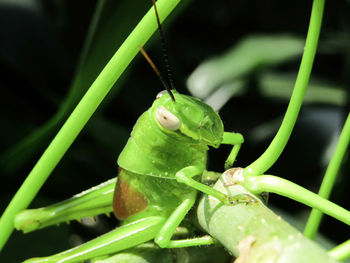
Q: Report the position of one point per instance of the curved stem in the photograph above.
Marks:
(277, 185)
(314, 220)
(251, 231)
(269, 157)
(341, 252)
(81, 114)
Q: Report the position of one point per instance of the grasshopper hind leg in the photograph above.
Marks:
(114, 241)
(94, 201)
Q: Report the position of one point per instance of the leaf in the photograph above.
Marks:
(252, 53)
(280, 86)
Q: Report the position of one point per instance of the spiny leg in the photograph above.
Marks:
(163, 238)
(94, 201)
(235, 139)
(114, 241)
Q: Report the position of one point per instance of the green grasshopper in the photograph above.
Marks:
(159, 176)
(158, 180)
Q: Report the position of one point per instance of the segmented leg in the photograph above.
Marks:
(94, 201)
(163, 238)
(186, 175)
(235, 139)
(119, 239)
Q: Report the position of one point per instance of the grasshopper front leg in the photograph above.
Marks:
(186, 175)
(235, 139)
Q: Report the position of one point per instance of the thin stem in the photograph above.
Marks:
(81, 114)
(277, 185)
(272, 153)
(251, 231)
(329, 179)
(341, 252)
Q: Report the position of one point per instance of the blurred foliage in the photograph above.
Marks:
(244, 58)
(49, 57)
(280, 86)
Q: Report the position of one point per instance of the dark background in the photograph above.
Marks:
(41, 42)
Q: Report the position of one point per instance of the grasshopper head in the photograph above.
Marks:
(187, 118)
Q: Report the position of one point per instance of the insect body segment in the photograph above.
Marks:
(157, 151)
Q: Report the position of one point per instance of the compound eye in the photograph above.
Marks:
(160, 94)
(167, 120)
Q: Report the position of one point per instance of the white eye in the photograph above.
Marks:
(168, 120)
(160, 94)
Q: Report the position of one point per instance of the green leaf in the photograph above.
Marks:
(247, 56)
(280, 86)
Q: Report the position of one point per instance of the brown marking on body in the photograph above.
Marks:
(126, 200)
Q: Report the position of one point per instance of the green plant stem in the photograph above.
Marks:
(252, 232)
(272, 153)
(341, 252)
(277, 185)
(329, 179)
(81, 114)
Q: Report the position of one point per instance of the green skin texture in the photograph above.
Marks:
(164, 166)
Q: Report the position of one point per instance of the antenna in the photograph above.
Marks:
(165, 84)
(164, 48)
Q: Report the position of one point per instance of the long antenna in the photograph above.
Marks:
(165, 84)
(164, 48)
